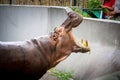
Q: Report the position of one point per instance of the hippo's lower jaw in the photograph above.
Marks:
(81, 49)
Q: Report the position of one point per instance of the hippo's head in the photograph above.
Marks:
(63, 39)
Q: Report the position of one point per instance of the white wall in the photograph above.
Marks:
(25, 22)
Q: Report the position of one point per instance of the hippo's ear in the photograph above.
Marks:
(54, 35)
(59, 30)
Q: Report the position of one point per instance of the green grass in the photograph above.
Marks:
(62, 75)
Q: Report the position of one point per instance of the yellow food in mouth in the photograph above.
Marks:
(84, 43)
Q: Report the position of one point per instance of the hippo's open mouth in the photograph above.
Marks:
(82, 46)
(72, 21)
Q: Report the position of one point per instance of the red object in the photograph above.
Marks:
(109, 3)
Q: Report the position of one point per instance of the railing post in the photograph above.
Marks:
(11, 2)
(71, 3)
(74, 2)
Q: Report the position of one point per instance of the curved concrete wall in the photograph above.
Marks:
(25, 22)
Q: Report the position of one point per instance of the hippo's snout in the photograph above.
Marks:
(76, 19)
(72, 21)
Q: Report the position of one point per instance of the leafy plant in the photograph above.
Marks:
(93, 4)
(105, 10)
(84, 14)
(62, 75)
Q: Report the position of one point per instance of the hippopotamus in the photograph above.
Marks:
(29, 60)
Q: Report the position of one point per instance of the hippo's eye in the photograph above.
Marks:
(60, 31)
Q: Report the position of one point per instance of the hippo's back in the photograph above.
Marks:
(16, 60)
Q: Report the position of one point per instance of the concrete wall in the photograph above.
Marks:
(99, 31)
(25, 22)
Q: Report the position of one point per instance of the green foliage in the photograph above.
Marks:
(84, 14)
(93, 4)
(62, 75)
(105, 10)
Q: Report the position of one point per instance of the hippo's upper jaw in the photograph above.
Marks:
(72, 21)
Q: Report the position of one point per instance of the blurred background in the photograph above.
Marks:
(81, 3)
(84, 7)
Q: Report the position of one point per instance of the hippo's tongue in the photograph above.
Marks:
(72, 21)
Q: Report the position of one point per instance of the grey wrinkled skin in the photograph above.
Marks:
(29, 60)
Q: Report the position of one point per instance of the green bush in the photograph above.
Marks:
(62, 75)
(84, 14)
(93, 4)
